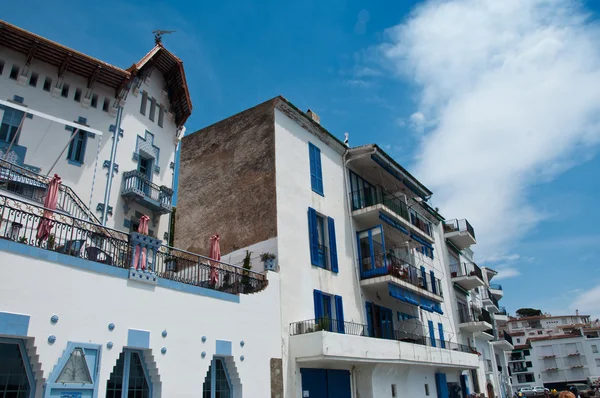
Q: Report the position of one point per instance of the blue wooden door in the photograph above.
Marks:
(338, 384)
(314, 382)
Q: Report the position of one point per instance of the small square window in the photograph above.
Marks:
(106, 104)
(47, 84)
(14, 72)
(518, 340)
(94, 101)
(1, 66)
(33, 79)
(161, 115)
(152, 109)
(526, 352)
(594, 348)
(77, 96)
(394, 395)
(65, 90)
(597, 361)
(427, 389)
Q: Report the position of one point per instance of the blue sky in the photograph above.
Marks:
(491, 104)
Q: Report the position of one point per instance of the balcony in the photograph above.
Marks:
(504, 342)
(487, 335)
(138, 188)
(367, 204)
(466, 275)
(496, 290)
(93, 242)
(333, 341)
(380, 270)
(490, 301)
(501, 316)
(471, 320)
(460, 233)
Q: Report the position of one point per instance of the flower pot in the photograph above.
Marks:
(269, 264)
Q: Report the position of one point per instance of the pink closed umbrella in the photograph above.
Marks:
(45, 225)
(215, 254)
(142, 229)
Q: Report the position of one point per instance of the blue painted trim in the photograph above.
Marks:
(223, 348)
(60, 258)
(213, 377)
(14, 324)
(138, 338)
(126, 368)
(74, 163)
(392, 223)
(28, 369)
(316, 169)
(94, 373)
(431, 333)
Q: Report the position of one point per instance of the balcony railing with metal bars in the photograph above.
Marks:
(459, 226)
(31, 185)
(356, 329)
(389, 264)
(465, 269)
(473, 315)
(90, 241)
(136, 183)
(367, 197)
(504, 335)
(502, 311)
(487, 295)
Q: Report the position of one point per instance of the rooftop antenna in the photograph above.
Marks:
(158, 35)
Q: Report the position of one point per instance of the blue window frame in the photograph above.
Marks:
(217, 383)
(77, 371)
(76, 152)
(380, 321)
(431, 333)
(442, 338)
(316, 172)
(371, 247)
(16, 375)
(322, 231)
(10, 124)
(364, 194)
(129, 377)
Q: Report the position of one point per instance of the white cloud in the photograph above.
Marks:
(514, 89)
(588, 303)
(507, 272)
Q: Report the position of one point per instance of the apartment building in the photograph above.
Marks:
(95, 309)
(554, 351)
(369, 295)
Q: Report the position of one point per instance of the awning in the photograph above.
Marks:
(421, 240)
(48, 117)
(6, 174)
(402, 295)
(393, 223)
(427, 308)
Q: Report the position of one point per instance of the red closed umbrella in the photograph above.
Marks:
(142, 229)
(215, 254)
(46, 224)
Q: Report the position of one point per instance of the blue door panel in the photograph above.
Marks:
(338, 384)
(315, 382)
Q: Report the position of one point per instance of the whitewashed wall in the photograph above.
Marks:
(86, 302)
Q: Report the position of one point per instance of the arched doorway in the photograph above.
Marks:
(490, 391)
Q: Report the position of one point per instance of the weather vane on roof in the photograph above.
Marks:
(158, 35)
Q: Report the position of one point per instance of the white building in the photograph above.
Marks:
(369, 292)
(75, 320)
(554, 351)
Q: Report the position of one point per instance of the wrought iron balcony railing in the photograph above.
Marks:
(465, 269)
(459, 226)
(157, 198)
(473, 315)
(487, 295)
(356, 329)
(90, 241)
(495, 286)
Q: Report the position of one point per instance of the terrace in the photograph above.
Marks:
(466, 275)
(460, 233)
(71, 236)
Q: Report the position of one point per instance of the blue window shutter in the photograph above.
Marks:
(313, 236)
(318, 298)
(431, 333)
(442, 385)
(424, 276)
(464, 384)
(369, 310)
(339, 312)
(442, 339)
(332, 245)
(433, 285)
(316, 173)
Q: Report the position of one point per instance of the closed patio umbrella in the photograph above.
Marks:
(142, 229)
(46, 224)
(215, 254)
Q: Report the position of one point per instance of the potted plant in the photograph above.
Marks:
(269, 260)
(247, 265)
(51, 242)
(22, 239)
(323, 324)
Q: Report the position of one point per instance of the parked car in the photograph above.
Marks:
(527, 391)
(540, 390)
(584, 390)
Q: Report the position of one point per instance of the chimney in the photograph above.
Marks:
(577, 312)
(314, 116)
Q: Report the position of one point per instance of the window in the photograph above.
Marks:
(329, 312)
(152, 109)
(161, 115)
(106, 104)
(144, 103)
(540, 332)
(14, 72)
(76, 150)
(597, 361)
(77, 96)
(132, 377)
(33, 79)
(594, 348)
(316, 173)
(14, 381)
(10, 124)
(394, 391)
(528, 364)
(76, 369)
(65, 90)
(145, 167)
(322, 234)
(427, 389)
(94, 102)
(47, 84)
(518, 340)
(526, 353)
(217, 383)
(1, 66)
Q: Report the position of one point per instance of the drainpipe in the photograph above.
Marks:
(111, 165)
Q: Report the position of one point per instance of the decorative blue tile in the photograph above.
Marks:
(51, 339)
(54, 319)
